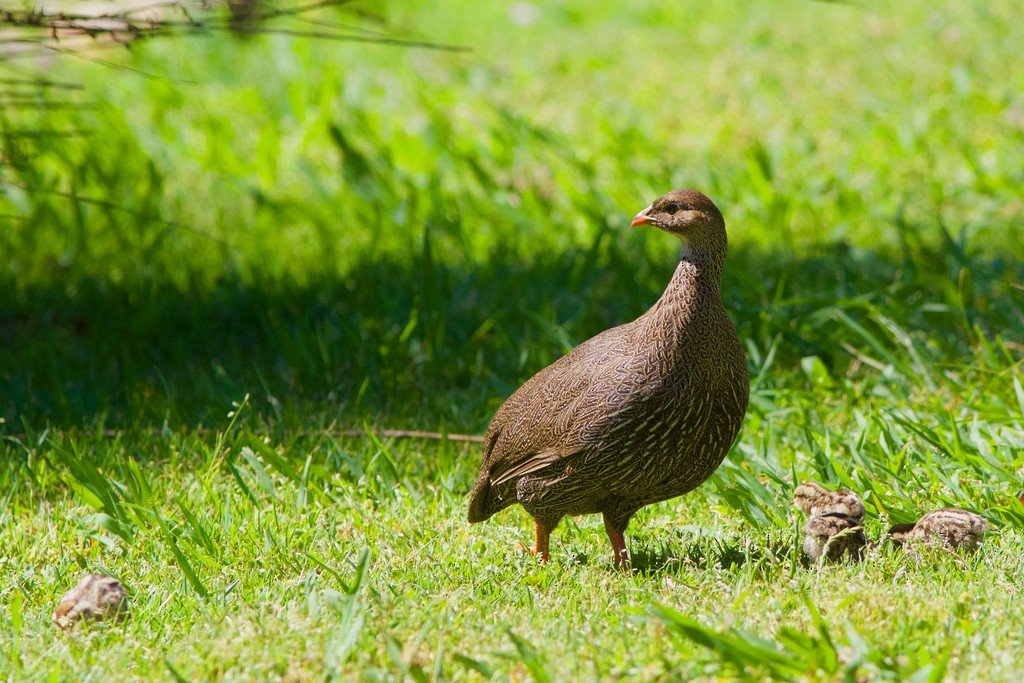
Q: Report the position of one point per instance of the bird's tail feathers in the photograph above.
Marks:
(481, 503)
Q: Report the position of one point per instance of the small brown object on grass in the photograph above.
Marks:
(97, 597)
(834, 536)
(951, 528)
(814, 499)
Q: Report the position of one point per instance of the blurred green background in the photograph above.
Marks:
(377, 230)
(359, 235)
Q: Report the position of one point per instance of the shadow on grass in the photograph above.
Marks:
(667, 559)
(423, 342)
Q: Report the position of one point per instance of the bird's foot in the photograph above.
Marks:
(622, 561)
(618, 546)
(544, 557)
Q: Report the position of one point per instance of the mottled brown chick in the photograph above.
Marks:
(814, 499)
(834, 536)
(952, 528)
(97, 597)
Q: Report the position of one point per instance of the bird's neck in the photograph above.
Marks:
(692, 298)
(699, 273)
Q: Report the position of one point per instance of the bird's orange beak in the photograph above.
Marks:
(641, 219)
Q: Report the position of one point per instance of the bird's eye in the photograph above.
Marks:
(671, 208)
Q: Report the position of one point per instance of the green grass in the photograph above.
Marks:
(357, 236)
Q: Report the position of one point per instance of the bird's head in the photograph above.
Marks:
(685, 213)
(807, 494)
(899, 533)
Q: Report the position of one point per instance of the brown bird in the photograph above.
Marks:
(953, 528)
(638, 414)
(813, 499)
(834, 536)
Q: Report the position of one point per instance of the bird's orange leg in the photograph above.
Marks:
(541, 546)
(618, 544)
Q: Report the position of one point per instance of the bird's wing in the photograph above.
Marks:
(553, 415)
(532, 463)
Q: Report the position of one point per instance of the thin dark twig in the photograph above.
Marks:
(357, 39)
(299, 14)
(204, 27)
(66, 21)
(204, 31)
(125, 27)
(123, 67)
(177, 4)
(414, 434)
(388, 433)
(301, 9)
(167, 4)
(334, 24)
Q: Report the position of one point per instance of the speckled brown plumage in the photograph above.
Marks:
(834, 536)
(952, 528)
(813, 499)
(96, 597)
(638, 414)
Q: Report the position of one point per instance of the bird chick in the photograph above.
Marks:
(814, 499)
(834, 536)
(952, 528)
(96, 597)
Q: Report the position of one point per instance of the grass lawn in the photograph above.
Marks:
(281, 242)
